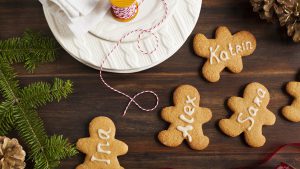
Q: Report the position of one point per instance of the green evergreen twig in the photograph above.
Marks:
(19, 108)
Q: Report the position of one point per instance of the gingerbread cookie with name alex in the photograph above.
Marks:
(186, 119)
(250, 114)
(226, 51)
(101, 148)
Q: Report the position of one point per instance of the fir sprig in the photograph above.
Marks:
(31, 49)
(19, 108)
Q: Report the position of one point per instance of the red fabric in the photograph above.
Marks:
(269, 157)
(284, 166)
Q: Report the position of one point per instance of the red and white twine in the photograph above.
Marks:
(125, 13)
(140, 33)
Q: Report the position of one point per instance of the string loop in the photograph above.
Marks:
(140, 33)
(125, 13)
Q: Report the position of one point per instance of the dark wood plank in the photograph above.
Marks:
(275, 62)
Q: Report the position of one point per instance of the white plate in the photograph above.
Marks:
(91, 48)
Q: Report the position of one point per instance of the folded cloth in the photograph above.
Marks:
(79, 15)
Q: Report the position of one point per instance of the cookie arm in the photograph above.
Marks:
(293, 88)
(230, 127)
(246, 40)
(268, 117)
(122, 147)
(205, 114)
(83, 145)
(292, 113)
(235, 102)
(201, 46)
(168, 114)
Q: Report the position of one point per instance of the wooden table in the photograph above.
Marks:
(275, 62)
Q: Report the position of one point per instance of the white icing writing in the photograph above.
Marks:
(188, 110)
(190, 101)
(104, 135)
(185, 131)
(100, 160)
(183, 118)
(224, 54)
(100, 150)
(252, 110)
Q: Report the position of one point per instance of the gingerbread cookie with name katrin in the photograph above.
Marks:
(226, 51)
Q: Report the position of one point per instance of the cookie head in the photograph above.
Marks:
(186, 93)
(258, 94)
(99, 124)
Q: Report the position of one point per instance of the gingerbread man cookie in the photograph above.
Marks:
(186, 119)
(226, 51)
(292, 112)
(250, 114)
(101, 148)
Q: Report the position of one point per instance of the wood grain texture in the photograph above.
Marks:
(275, 62)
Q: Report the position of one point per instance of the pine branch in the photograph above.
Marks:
(40, 93)
(31, 49)
(61, 89)
(59, 148)
(36, 94)
(19, 109)
(30, 126)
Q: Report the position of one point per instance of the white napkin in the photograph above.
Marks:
(79, 15)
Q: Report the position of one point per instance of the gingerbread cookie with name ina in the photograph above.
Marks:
(226, 51)
(250, 114)
(292, 112)
(186, 119)
(101, 148)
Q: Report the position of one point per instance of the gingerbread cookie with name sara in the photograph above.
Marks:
(186, 119)
(226, 51)
(250, 114)
(101, 148)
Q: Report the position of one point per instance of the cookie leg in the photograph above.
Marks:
(291, 113)
(236, 65)
(170, 138)
(115, 163)
(84, 166)
(230, 127)
(212, 72)
(255, 138)
(199, 142)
